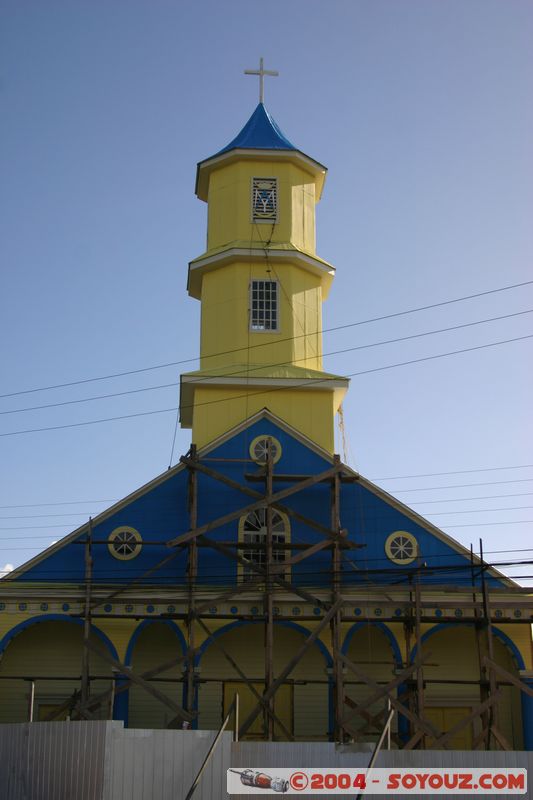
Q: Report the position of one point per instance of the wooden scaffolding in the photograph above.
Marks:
(265, 578)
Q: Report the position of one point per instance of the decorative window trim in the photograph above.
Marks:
(267, 215)
(130, 538)
(257, 325)
(258, 445)
(279, 518)
(393, 548)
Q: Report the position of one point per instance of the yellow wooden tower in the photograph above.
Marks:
(261, 286)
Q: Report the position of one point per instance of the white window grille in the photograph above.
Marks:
(264, 200)
(254, 531)
(264, 311)
(401, 547)
(260, 446)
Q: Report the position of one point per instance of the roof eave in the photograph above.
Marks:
(204, 168)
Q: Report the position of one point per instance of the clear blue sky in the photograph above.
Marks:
(422, 111)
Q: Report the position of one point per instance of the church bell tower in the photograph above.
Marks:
(261, 286)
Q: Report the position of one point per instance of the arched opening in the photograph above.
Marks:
(374, 650)
(301, 702)
(153, 644)
(253, 533)
(452, 685)
(48, 652)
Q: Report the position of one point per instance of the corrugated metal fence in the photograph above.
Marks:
(52, 760)
(104, 761)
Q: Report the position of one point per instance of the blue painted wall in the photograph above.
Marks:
(161, 514)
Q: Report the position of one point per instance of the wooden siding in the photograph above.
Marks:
(155, 645)
(49, 648)
(245, 645)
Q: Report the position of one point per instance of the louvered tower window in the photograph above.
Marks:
(264, 312)
(264, 200)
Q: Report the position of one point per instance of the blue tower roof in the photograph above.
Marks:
(261, 132)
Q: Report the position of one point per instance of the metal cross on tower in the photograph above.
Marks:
(261, 72)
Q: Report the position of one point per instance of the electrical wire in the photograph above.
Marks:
(267, 391)
(310, 573)
(61, 503)
(412, 502)
(458, 486)
(258, 367)
(264, 344)
(463, 499)
(474, 510)
(80, 540)
(86, 515)
(454, 472)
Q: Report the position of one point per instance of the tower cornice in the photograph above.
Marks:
(289, 254)
(205, 168)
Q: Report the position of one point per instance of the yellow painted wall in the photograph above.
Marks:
(155, 645)
(47, 649)
(226, 337)
(119, 631)
(246, 646)
(521, 636)
(217, 410)
(455, 656)
(229, 205)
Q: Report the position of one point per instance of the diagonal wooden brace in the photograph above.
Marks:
(266, 500)
(249, 683)
(426, 726)
(380, 691)
(166, 701)
(290, 666)
(509, 677)
(448, 736)
(290, 587)
(99, 699)
(219, 476)
(135, 581)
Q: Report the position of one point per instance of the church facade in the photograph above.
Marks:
(260, 565)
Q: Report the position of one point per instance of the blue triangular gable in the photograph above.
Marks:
(159, 512)
(372, 517)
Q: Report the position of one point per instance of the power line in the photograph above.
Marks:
(505, 522)
(264, 344)
(40, 516)
(454, 472)
(469, 525)
(463, 499)
(458, 486)
(90, 399)
(86, 515)
(163, 543)
(468, 511)
(62, 503)
(259, 367)
(268, 391)
(412, 502)
(90, 422)
(328, 572)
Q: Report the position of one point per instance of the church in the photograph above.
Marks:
(261, 566)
